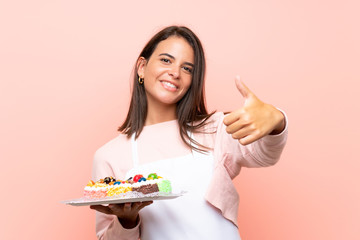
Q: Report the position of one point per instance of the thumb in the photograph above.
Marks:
(243, 89)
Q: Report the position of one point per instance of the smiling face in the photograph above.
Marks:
(168, 72)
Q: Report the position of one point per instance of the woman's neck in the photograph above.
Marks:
(158, 114)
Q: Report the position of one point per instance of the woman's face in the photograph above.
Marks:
(168, 72)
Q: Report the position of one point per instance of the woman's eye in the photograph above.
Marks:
(188, 69)
(165, 60)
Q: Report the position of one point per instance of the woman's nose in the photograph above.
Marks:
(174, 72)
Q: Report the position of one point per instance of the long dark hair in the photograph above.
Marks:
(191, 111)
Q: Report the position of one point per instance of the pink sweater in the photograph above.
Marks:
(162, 141)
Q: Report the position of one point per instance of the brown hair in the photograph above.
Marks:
(190, 110)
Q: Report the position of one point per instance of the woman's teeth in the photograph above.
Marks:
(169, 85)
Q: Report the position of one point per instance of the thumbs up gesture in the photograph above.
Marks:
(255, 119)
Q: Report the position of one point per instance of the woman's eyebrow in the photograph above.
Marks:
(172, 57)
(166, 54)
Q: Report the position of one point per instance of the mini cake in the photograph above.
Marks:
(109, 186)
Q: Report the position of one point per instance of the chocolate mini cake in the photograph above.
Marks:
(145, 189)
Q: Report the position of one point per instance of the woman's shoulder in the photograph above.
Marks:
(113, 158)
(114, 148)
(217, 116)
(214, 120)
(206, 135)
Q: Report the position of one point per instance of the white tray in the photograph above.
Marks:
(139, 197)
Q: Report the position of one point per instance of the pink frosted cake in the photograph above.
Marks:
(109, 186)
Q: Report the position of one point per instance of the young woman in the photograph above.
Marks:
(169, 131)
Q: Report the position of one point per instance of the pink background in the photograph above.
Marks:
(65, 77)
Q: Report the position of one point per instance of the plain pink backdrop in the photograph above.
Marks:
(65, 71)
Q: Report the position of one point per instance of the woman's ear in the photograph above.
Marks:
(141, 64)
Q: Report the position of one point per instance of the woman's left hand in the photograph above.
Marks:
(255, 119)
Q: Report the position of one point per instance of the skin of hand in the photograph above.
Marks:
(255, 119)
(127, 213)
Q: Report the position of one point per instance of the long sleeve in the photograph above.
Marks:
(261, 153)
(108, 227)
(230, 156)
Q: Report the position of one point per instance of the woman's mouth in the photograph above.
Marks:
(169, 86)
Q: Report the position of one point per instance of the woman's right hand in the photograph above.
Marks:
(127, 213)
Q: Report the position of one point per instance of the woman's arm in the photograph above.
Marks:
(252, 136)
(115, 221)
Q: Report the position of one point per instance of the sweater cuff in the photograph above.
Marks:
(280, 136)
(116, 229)
(285, 130)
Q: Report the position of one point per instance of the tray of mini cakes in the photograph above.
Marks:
(135, 189)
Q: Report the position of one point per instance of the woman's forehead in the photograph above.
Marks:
(175, 46)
